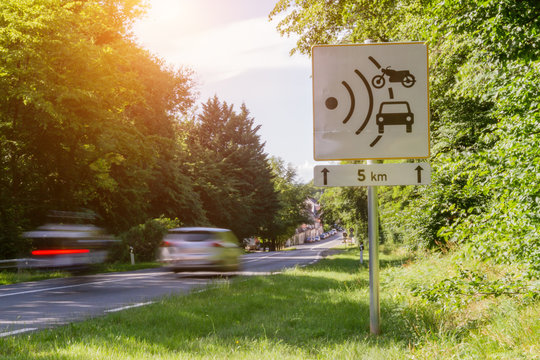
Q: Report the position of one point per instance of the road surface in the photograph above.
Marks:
(37, 305)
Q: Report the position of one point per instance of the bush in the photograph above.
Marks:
(144, 239)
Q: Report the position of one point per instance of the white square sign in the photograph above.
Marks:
(370, 101)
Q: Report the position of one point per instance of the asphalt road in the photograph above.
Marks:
(37, 305)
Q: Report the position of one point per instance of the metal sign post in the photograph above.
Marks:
(373, 236)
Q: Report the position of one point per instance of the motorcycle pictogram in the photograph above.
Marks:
(403, 76)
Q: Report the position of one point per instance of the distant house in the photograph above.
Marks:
(313, 207)
(312, 229)
(314, 211)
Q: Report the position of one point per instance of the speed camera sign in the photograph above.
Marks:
(370, 101)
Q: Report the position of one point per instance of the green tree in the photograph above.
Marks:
(346, 21)
(484, 72)
(292, 211)
(87, 118)
(230, 169)
(346, 207)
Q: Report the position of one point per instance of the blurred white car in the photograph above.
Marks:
(200, 248)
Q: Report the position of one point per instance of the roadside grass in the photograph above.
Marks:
(316, 312)
(117, 267)
(8, 277)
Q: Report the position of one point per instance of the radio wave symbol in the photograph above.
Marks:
(332, 103)
(370, 95)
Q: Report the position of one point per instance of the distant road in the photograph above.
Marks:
(36, 305)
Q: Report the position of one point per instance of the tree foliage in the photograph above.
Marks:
(89, 119)
(292, 211)
(230, 168)
(484, 71)
(346, 207)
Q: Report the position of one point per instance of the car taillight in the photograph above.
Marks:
(217, 244)
(60, 252)
(166, 244)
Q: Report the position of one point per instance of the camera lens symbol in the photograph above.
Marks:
(331, 103)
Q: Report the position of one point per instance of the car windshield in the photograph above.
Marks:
(394, 108)
(194, 236)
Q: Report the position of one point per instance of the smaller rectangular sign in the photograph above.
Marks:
(372, 174)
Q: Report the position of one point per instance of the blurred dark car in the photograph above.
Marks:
(200, 248)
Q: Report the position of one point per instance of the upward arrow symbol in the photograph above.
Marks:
(419, 173)
(325, 172)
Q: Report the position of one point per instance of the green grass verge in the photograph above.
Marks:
(8, 277)
(317, 312)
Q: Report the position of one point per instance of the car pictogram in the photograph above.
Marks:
(395, 113)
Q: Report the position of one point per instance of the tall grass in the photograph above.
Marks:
(317, 312)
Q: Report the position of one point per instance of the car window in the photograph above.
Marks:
(195, 236)
(394, 108)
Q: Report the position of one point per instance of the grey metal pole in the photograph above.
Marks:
(373, 235)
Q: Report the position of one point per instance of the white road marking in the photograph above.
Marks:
(72, 286)
(281, 253)
(15, 332)
(129, 307)
(319, 245)
(257, 258)
(28, 322)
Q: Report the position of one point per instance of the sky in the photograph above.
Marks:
(238, 55)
